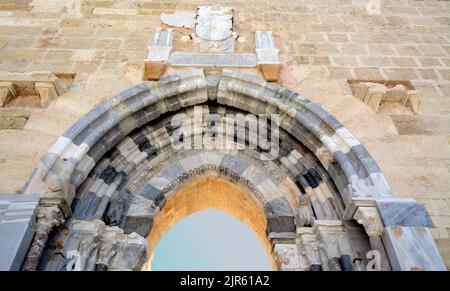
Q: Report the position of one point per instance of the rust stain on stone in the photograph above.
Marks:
(397, 231)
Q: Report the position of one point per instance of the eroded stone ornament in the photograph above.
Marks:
(214, 24)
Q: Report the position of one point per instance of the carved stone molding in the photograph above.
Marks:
(369, 218)
(94, 246)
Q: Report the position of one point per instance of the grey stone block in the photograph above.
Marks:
(140, 224)
(17, 218)
(412, 248)
(281, 224)
(236, 165)
(403, 212)
(149, 192)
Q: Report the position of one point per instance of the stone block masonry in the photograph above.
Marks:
(322, 44)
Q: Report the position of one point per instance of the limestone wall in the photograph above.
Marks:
(98, 48)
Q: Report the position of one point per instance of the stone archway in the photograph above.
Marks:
(116, 167)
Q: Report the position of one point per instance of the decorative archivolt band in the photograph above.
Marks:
(73, 156)
(357, 177)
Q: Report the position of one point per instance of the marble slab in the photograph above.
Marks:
(212, 60)
(161, 45)
(17, 218)
(412, 249)
(403, 212)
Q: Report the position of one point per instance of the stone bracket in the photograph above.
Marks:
(373, 94)
(7, 92)
(61, 203)
(158, 54)
(268, 61)
(47, 92)
(391, 211)
(44, 84)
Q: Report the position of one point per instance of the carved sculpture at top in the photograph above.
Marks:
(214, 24)
(214, 28)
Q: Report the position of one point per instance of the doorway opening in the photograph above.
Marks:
(210, 240)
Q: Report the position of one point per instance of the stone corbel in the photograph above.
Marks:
(268, 61)
(369, 219)
(413, 99)
(159, 54)
(48, 217)
(7, 92)
(374, 96)
(46, 91)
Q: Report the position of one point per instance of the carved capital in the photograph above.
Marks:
(48, 217)
(368, 217)
(95, 246)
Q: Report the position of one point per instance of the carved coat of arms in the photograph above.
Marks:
(214, 24)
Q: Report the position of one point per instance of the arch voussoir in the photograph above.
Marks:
(115, 169)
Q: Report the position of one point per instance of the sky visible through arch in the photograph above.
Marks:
(210, 240)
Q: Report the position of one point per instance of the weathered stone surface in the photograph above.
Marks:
(376, 94)
(214, 24)
(158, 54)
(7, 92)
(271, 72)
(316, 64)
(155, 69)
(17, 222)
(268, 61)
(184, 19)
(92, 245)
(212, 60)
(286, 257)
(403, 212)
(412, 249)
